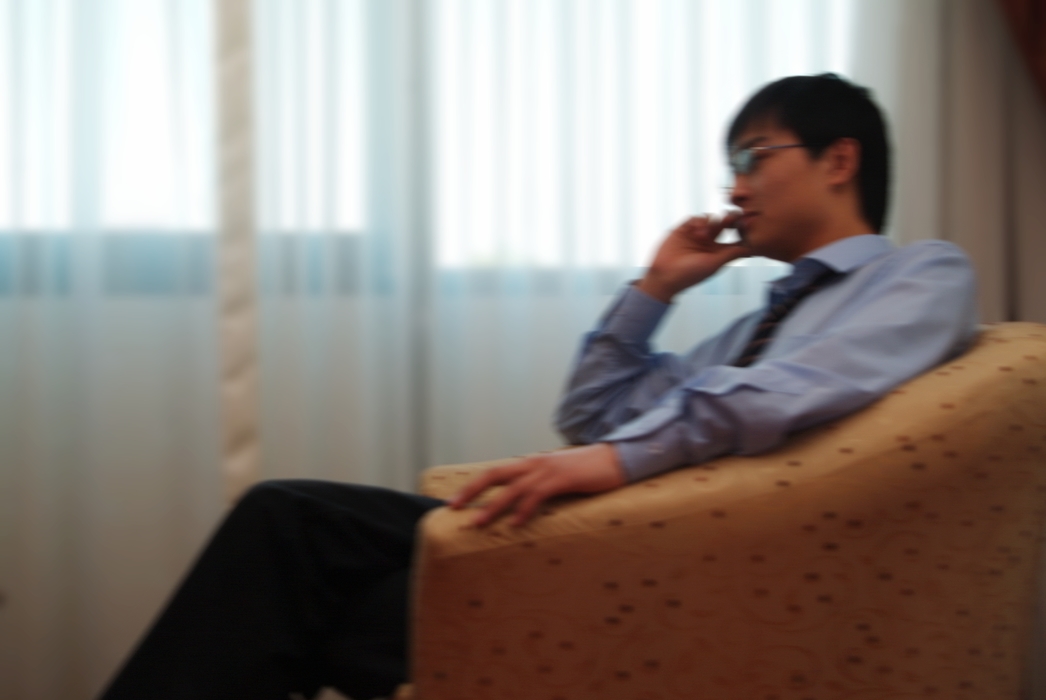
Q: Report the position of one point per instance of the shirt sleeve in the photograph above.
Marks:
(617, 376)
(661, 411)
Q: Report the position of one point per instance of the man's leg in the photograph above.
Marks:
(279, 595)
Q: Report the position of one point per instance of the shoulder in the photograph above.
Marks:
(930, 247)
(930, 273)
(935, 258)
(930, 251)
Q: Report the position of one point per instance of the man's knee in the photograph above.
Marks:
(266, 497)
(280, 497)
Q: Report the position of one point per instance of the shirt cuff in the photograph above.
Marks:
(634, 317)
(645, 457)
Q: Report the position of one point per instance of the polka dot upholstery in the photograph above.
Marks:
(887, 555)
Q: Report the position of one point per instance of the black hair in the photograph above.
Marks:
(822, 109)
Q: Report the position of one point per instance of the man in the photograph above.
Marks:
(811, 165)
(305, 584)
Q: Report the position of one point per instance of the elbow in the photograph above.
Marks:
(573, 425)
(585, 422)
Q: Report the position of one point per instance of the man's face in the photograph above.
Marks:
(782, 197)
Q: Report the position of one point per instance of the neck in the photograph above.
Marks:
(841, 218)
(831, 232)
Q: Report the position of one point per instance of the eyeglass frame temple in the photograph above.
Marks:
(754, 149)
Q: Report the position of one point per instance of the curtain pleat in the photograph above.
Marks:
(236, 279)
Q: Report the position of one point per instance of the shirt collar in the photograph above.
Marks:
(848, 254)
(842, 256)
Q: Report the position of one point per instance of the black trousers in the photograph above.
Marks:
(304, 585)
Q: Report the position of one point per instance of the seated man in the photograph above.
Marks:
(305, 583)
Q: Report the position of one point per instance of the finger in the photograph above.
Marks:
(530, 502)
(505, 500)
(733, 251)
(481, 483)
(498, 505)
(731, 218)
(692, 225)
(728, 220)
(701, 229)
(474, 488)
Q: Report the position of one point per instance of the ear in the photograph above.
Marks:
(842, 160)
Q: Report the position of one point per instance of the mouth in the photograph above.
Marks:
(744, 223)
(746, 219)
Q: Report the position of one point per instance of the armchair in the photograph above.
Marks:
(890, 554)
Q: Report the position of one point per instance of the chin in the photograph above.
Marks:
(763, 252)
(752, 244)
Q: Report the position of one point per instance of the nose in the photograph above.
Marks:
(740, 191)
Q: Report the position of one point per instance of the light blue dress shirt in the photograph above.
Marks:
(895, 313)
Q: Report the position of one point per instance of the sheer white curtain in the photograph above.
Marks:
(342, 232)
(451, 191)
(108, 436)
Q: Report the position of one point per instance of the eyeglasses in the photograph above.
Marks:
(743, 162)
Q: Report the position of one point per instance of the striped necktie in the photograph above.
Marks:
(813, 275)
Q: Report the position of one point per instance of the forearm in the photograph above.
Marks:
(616, 376)
(708, 418)
(735, 410)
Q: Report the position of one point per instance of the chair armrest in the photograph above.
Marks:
(446, 480)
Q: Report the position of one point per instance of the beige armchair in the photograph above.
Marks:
(887, 555)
